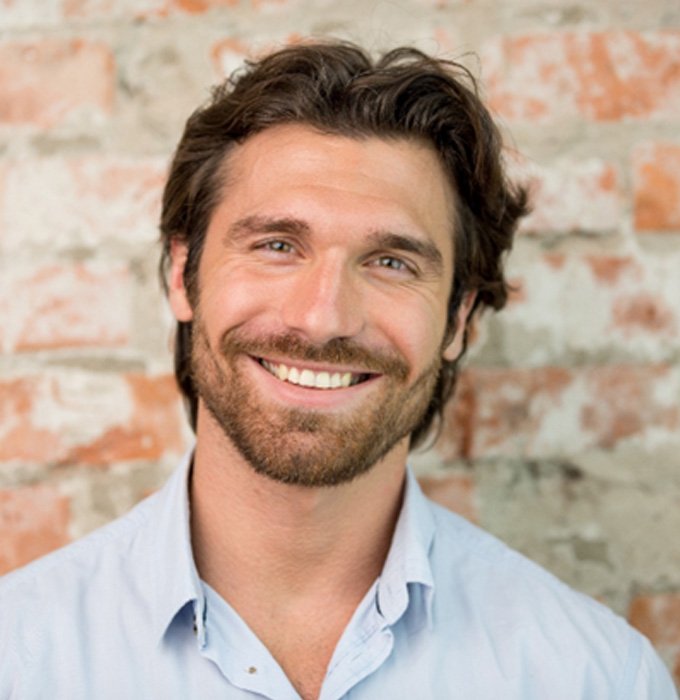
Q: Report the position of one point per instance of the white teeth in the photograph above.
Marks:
(309, 378)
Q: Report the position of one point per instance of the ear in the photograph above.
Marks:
(454, 348)
(177, 293)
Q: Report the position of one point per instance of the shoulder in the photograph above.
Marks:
(71, 582)
(67, 602)
(77, 563)
(507, 584)
(532, 619)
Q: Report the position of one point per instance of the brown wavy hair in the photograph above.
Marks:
(337, 88)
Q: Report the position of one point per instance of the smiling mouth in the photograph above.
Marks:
(311, 379)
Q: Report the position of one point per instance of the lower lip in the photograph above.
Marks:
(309, 397)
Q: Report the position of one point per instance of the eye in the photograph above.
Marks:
(276, 246)
(393, 264)
(279, 246)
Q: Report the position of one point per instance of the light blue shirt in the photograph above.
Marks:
(122, 614)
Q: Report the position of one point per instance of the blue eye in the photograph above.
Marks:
(279, 246)
(390, 263)
(275, 245)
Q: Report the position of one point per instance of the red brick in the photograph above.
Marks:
(59, 306)
(516, 295)
(656, 177)
(658, 617)
(610, 269)
(622, 306)
(3, 200)
(500, 411)
(623, 402)
(568, 196)
(600, 76)
(43, 83)
(556, 261)
(228, 54)
(98, 9)
(74, 417)
(81, 202)
(152, 429)
(638, 308)
(20, 439)
(195, 7)
(644, 313)
(551, 411)
(199, 6)
(453, 491)
(33, 521)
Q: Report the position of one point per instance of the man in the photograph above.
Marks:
(330, 225)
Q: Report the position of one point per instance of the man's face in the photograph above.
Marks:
(320, 315)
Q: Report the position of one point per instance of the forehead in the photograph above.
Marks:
(367, 182)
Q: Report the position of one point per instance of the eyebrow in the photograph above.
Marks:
(385, 239)
(265, 224)
(410, 244)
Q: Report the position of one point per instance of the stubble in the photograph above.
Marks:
(299, 446)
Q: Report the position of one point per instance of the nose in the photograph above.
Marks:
(324, 302)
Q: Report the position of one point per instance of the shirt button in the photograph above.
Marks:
(251, 669)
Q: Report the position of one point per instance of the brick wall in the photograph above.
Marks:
(565, 439)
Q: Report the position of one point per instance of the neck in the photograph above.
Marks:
(256, 539)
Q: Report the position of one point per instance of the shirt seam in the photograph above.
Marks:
(365, 636)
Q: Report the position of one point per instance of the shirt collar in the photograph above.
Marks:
(178, 582)
(175, 573)
(408, 560)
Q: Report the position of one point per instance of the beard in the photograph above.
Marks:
(308, 447)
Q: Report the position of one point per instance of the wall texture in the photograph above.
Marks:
(565, 438)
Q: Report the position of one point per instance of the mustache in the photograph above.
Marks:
(337, 351)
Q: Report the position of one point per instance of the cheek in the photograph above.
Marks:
(418, 335)
(229, 298)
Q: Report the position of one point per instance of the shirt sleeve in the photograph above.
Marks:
(653, 681)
